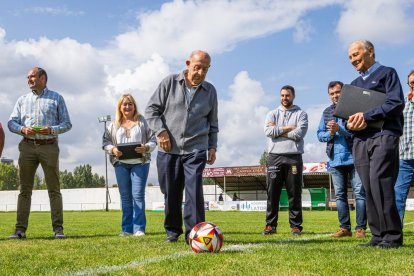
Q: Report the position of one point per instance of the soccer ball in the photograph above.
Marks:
(205, 237)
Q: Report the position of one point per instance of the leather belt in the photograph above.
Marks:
(40, 142)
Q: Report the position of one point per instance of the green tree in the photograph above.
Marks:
(263, 158)
(84, 178)
(67, 181)
(9, 177)
(39, 183)
(208, 181)
(98, 181)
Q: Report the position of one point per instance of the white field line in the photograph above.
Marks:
(133, 264)
(157, 259)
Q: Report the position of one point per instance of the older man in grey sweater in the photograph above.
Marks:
(183, 114)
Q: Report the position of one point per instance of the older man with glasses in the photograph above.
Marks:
(406, 171)
(375, 151)
(183, 114)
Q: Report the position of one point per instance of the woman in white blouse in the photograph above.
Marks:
(131, 173)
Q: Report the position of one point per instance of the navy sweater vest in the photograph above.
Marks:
(384, 79)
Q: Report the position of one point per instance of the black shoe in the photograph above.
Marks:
(187, 239)
(171, 238)
(371, 243)
(388, 245)
(18, 234)
(59, 234)
(269, 230)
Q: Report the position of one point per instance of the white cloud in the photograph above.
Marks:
(54, 11)
(140, 81)
(217, 26)
(92, 79)
(75, 67)
(303, 31)
(378, 21)
(315, 152)
(241, 118)
(314, 116)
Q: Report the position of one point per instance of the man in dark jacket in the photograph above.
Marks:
(376, 150)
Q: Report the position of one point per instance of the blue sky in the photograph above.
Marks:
(94, 51)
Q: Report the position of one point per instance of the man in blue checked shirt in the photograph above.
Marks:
(39, 116)
(406, 171)
(1, 139)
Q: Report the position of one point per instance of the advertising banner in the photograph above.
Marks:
(253, 205)
(257, 170)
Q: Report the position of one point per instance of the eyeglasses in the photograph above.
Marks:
(199, 67)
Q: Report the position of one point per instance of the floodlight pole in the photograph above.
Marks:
(106, 179)
(105, 119)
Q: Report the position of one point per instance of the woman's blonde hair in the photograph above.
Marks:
(119, 116)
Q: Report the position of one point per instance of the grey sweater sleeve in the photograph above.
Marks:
(213, 119)
(301, 128)
(156, 106)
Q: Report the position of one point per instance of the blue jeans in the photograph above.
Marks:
(340, 176)
(131, 180)
(402, 186)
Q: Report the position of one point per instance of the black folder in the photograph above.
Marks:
(356, 99)
(128, 151)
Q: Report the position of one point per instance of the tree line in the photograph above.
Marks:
(81, 177)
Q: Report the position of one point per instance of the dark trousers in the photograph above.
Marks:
(30, 157)
(376, 161)
(284, 170)
(176, 172)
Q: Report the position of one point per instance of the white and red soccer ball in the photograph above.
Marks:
(205, 237)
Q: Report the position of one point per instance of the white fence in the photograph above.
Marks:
(73, 199)
(95, 199)
(87, 199)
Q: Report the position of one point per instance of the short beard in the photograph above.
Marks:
(288, 105)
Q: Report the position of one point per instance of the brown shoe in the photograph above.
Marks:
(269, 230)
(360, 233)
(296, 231)
(342, 232)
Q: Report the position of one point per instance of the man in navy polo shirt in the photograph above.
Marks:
(375, 151)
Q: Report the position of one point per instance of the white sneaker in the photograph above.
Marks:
(125, 234)
(139, 233)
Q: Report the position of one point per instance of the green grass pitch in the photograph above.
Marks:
(94, 248)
